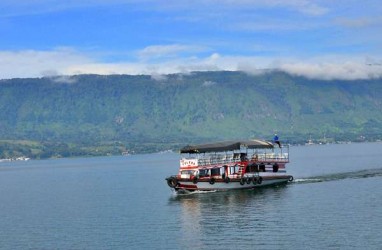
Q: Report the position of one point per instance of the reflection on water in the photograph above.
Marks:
(215, 214)
(227, 197)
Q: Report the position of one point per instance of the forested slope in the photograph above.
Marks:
(152, 113)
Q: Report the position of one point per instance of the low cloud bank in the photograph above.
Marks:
(333, 71)
(64, 61)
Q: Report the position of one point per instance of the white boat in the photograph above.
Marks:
(310, 141)
(230, 165)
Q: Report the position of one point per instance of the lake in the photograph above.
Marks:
(335, 202)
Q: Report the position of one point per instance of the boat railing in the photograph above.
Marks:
(276, 155)
(218, 160)
(280, 157)
(222, 159)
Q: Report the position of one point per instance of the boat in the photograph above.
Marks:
(310, 141)
(230, 165)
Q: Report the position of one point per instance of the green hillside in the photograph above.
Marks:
(95, 115)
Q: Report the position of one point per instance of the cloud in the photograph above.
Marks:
(346, 70)
(208, 83)
(161, 50)
(156, 69)
(61, 62)
(272, 25)
(303, 6)
(12, 8)
(159, 77)
(166, 51)
(307, 7)
(34, 63)
(196, 35)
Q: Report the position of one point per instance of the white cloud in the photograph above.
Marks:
(303, 6)
(32, 63)
(159, 77)
(270, 26)
(349, 70)
(66, 61)
(307, 7)
(166, 51)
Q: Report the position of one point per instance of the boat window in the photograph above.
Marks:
(203, 172)
(243, 156)
(190, 172)
(236, 156)
(234, 169)
(251, 168)
(262, 168)
(255, 168)
(215, 171)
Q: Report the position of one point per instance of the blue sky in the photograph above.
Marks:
(337, 39)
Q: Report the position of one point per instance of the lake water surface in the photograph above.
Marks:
(335, 202)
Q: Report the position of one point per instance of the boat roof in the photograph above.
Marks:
(225, 146)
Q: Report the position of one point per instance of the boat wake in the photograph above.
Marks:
(367, 173)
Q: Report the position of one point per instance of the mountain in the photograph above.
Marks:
(110, 114)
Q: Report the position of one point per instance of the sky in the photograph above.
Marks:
(323, 39)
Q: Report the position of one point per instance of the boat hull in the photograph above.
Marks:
(222, 185)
